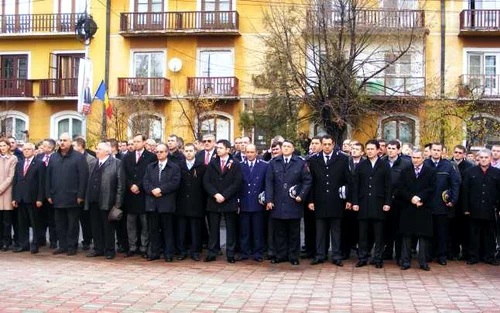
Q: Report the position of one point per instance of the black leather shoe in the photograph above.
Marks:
(153, 258)
(442, 262)
(276, 261)
(209, 259)
(258, 259)
(129, 254)
(472, 262)
(71, 252)
(86, 247)
(170, 259)
(34, 250)
(231, 260)
(372, 262)
(294, 262)
(5, 248)
(405, 267)
(361, 263)
(181, 257)
(338, 263)
(269, 257)
(53, 245)
(59, 251)
(195, 258)
(379, 264)
(93, 254)
(425, 268)
(20, 250)
(316, 261)
(110, 256)
(493, 262)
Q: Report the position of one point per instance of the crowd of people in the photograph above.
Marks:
(378, 200)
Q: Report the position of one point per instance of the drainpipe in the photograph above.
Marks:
(104, 119)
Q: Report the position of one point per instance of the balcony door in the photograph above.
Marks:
(398, 75)
(215, 64)
(64, 70)
(149, 14)
(215, 14)
(398, 13)
(14, 71)
(488, 18)
(483, 73)
(147, 65)
(15, 16)
(69, 13)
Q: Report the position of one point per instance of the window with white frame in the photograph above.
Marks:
(13, 124)
(482, 73)
(149, 64)
(217, 124)
(67, 122)
(149, 124)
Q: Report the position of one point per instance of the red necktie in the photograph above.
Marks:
(207, 157)
(222, 165)
(137, 157)
(26, 166)
(46, 159)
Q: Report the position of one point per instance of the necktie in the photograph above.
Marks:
(251, 166)
(222, 165)
(436, 164)
(327, 158)
(137, 157)
(46, 159)
(189, 165)
(160, 169)
(207, 157)
(26, 166)
(100, 164)
(286, 161)
(417, 171)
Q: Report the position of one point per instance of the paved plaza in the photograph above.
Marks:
(47, 283)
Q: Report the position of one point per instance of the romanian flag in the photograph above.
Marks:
(102, 94)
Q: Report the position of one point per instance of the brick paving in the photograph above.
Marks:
(47, 283)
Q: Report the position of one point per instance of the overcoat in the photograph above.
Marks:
(225, 181)
(134, 174)
(481, 192)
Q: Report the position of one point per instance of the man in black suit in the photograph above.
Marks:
(208, 153)
(27, 197)
(174, 153)
(240, 153)
(371, 198)
(67, 177)
(161, 182)
(222, 182)
(330, 172)
(191, 201)
(135, 197)
(105, 190)
(481, 200)
(414, 190)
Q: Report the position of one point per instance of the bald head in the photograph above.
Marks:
(251, 152)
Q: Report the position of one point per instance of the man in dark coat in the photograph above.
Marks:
(174, 153)
(222, 183)
(135, 197)
(330, 172)
(209, 152)
(459, 227)
(398, 164)
(447, 180)
(191, 201)
(252, 213)
(67, 177)
(415, 189)
(371, 198)
(481, 201)
(27, 197)
(105, 190)
(288, 182)
(161, 182)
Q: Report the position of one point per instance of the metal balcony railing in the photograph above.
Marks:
(395, 86)
(38, 23)
(59, 87)
(213, 86)
(480, 20)
(479, 86)
(16, 88)
(143, 86)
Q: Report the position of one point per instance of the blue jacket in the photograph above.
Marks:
(447, 178)
(279, 179)
(253, 184)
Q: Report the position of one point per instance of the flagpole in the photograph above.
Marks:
(104, 118)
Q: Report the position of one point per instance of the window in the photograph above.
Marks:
(149, 124)
(149, 64)
(149, 20)
(13, 72)
(399, 127)
(482, 131)
(217, 124)
(482, 73)
(11, 11)
(398, 75)
(67, 122)
(212, 64)
(13, 124)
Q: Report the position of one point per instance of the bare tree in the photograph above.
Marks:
(344, 59)
(195, 110)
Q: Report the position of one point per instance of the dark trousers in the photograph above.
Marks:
(458, 235)
(482, 230)
(163, 222)
(214, 239)
(350, 232)
(392, 239)
(252, 234)
(6, 224)
(287, 238)
(328, 228)
(195, 226)
(28, 215)
(423, 250)
(378, 236)
(47, 221)
(121, 232)
(103, 230)
(15, 227)
(309, 232)
(85, 223)
(67, 226)
(271, 251)
(440, 236)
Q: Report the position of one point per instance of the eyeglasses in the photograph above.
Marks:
(158, 152)
(206, 140)
(458, 152)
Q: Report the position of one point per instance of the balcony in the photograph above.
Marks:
(148, 87)
(16, 88)
(179, 23)
(395, 86)
(213, 87)
(480, 23)
(59, 88)
(38, 25)
(380, 21)
(479, 86)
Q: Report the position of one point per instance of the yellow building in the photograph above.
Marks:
(168, 58)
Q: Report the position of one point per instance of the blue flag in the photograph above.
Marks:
(101, 91)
